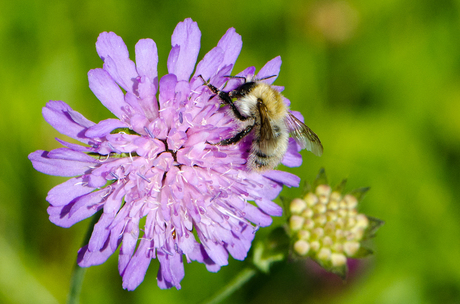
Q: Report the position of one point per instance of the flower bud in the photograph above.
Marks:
(327, 227)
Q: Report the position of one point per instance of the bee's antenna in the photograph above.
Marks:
(204, 81)
(239, 77)
(268, 77)
(210, 86)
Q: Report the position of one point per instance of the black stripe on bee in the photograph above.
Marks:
(261, 155)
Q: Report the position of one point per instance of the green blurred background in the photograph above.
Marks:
(378, 81)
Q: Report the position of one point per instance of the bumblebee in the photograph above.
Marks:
(262, 110)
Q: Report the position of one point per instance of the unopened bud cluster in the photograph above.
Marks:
(327, 226)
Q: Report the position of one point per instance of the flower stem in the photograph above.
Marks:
(244, 276)
(78, 274)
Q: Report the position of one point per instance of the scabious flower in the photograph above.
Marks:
(154, 161)
(326, 226)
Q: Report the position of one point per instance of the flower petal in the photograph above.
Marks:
(231, 43)
(167, 88)
(216, 252)
(79, 209)
(187, 36)
(107, 91)
(269, 207)
(87, 258)
(66, 121)
(292, 158)
(101, 233)
(135, 271)
(147, 59)
(171, 270)
(64, 193)
(114, 53)
(282, 177)
(256, 216)
(104, 127)
(271, 68)
(61, 164)
(208, 66)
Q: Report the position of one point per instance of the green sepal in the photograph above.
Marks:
(112, 155)
(374, 225)
(340, 187)
(362, 252)
(360, 193)
(341, 271)
(307, 187)
(321, 178)
(124, 130)
(286, 210)
(273, 249)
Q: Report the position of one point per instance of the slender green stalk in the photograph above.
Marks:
(79, 272)
(244, 276)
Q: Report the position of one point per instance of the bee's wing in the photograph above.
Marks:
(304, 136)
(266, 133)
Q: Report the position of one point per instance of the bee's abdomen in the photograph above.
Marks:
(260, 161)
(261, 155)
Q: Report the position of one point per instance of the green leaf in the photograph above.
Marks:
(273, 249)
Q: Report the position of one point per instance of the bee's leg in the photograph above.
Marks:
(225, 98)
(235, 110)
(237, 137)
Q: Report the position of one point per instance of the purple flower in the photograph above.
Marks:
(154, 161)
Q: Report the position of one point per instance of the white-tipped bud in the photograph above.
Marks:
(343, 204)
(342, 213)
(314, 246)
(351, 201)
(329, 228)
(362, 221)
(339, 234)
(327, 241)
(311, 199)
(331, 215)
(338, 259)
(333, 205)
(324, 254)
(304, 235)
(335, 196)
(351, 248)
(296, 222)
(340, 222)
(323, 199)
(356, 234)
(302, 247)
(320, 208)
(323, 190)
(337, 247)
(309, 224)
(298, 205)
(352, 212)
(320, 219)
(351, 222)
(318, 233)
(307, 213)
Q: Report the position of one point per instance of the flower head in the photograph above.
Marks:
(326, 226)
(154, 161)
